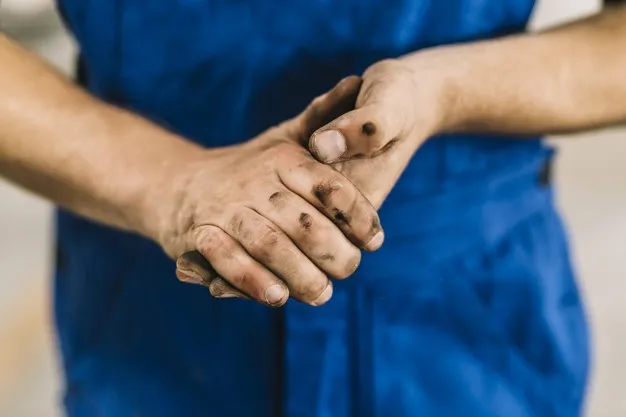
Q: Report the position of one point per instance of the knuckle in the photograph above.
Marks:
(388, 64)
(254, 285)
(238, 225)
(244, 266)
(265, 239)
(306, 222)
(348, 264)
(210, 241)
(306, 283)
(362, 233)
(362, 220)
(309, 231)
(326, 190)
(274, 149)
(307, 163)
(243, 278)
(313, 234)
(366, 227)
(330, 250)
(290, 159)
(282, 147)
(279, 199)
(342, 217)
(250, 281)
(313, 289)
(336, 183)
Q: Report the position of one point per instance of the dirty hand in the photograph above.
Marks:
(384, 118)
(265, 220)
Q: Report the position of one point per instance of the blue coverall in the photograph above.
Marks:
(479, 314)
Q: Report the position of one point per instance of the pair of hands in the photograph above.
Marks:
(276, 216)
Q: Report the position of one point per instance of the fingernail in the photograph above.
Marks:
(329, 145)
(189, 277)
(227, 295)
(324, 297)
(376, 242)
(275, 294)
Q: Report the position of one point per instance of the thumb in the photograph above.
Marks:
(327, 107)
(370, 129)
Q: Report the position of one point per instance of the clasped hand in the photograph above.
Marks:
(295, 205)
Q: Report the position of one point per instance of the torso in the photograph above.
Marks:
(219, 72)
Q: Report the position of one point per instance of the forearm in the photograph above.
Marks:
(80, 153)
(570, 78)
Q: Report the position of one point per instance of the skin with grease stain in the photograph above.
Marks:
(289, 224)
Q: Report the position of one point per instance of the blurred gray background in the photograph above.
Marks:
(591, 175)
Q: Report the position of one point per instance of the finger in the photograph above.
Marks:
(193, 268)
(234, 264)
(269, 246)
(220, 288)
(369, 130)
(329, 106)
(314, 234)
(338, 199)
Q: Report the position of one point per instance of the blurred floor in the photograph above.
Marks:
(592, 178)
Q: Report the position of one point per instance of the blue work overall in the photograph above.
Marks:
(469, 309)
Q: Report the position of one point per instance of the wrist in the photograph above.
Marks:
(442, 72)
(156, 203)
